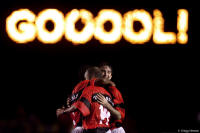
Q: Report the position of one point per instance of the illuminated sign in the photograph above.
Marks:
(24, 26)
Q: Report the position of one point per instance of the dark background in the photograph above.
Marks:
(158, 82)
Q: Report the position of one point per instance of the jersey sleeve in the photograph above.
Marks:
(118, 101)
(76, 93)
(84, 102)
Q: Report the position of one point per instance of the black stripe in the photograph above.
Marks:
(118, 124)
(89, 83)
(109, 101)
(120, 105)
(116, 105)
(108, 98)
(86, 102)
(108, 89)
(76, 96)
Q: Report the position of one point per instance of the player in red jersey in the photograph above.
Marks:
(116, 125)
(76, 115)
(96, 117)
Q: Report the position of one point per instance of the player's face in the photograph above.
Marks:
(107, 72)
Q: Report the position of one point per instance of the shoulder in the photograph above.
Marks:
(81, 85)
(115, 92)
(101, 90)
(114, 89)
(88, 90)
(83, 82)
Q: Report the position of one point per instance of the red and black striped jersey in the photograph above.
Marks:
(116, 98)
(76, 93)
(94, 114)
(118, 105)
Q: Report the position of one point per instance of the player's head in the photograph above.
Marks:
(93, 72)
(106, 70)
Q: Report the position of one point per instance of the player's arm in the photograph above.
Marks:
(59, 111)
(84, 102)
(62, 110)
(118, 101)
(103, 82)
(68, 102)
(81, 105)
(102, 100)
(70, 109)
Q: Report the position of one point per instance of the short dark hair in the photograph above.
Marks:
(102, 64)
(94, 72)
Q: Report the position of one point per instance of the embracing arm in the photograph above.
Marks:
(70, 109)
(101, 99)
(103, 82)
(62, 110)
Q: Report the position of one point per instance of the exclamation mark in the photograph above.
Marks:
(182, 26)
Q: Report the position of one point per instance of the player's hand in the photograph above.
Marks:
(60, 111)
(101, 82)
(68, 102)
(111, 83)
(108, 82)
(102, 100)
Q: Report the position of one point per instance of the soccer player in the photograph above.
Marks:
(96, 116)
(116, 125)
(76, 115)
